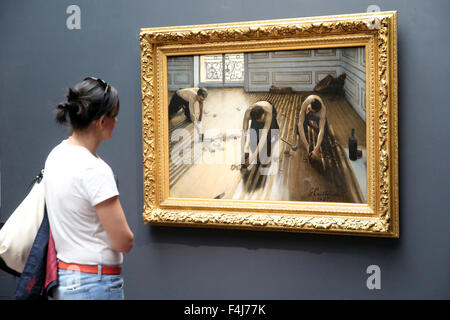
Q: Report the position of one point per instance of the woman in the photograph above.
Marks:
(86, 218)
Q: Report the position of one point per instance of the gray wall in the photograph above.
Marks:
(39, 58)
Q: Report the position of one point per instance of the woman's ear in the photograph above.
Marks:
(101, 122)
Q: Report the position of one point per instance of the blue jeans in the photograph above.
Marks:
(75, 285)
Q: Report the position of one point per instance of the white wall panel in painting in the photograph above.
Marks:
(353, 64)
(299, 69)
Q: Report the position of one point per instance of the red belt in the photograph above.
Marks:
(88, 268)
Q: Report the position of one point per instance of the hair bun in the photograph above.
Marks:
(63, 106)
(61, 111)
(73, 95)
(69, 106)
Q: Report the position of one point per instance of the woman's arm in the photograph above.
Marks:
(113, 219)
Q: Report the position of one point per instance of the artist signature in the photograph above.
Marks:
(319, 195)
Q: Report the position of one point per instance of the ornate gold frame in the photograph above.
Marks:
(377, 32)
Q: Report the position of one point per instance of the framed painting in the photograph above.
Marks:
(282, 125)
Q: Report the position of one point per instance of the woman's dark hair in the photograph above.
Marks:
(87, 101)
(256, 113)
(316, 105)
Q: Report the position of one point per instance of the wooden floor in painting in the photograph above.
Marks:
(208, 169)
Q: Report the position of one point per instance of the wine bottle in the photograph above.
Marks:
(353, 146)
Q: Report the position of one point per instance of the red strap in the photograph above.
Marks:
(88, 268)
(51, 271)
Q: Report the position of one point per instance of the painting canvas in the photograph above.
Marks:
(206, 155)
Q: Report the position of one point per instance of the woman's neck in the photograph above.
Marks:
(85, 139)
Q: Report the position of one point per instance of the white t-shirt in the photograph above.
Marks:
(75, 181)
